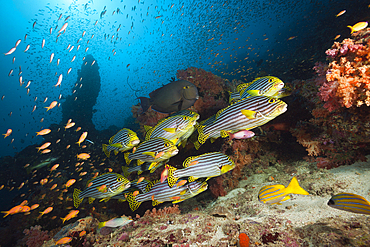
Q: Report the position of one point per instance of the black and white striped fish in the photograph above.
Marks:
(245, 114)
(104, 186)
(173, 128)
(124, 140)
(160, 192)
(154, 151)
(207, 165)
(266, 86)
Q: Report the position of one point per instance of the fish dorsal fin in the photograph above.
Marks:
(147, 128)
(125, 156)
(111, 139)
(189, 160)
(150, 185)
(295, 188)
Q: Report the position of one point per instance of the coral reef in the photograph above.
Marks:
(34, 237)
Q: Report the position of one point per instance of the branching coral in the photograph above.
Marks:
(35, 237)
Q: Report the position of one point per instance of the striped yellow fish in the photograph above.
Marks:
(266, 86)
(104, 186)
(274, 194)
(245, 114)
(158, 192)
(207, 165)
(154, 151)
(350, 202)
(124, 140)
(173, 128)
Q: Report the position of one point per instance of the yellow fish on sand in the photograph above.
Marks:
(274, 194)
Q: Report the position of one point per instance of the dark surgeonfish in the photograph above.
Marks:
(175, 96)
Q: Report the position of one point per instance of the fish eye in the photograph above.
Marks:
(272, 101)
(166, 144)
(270, 80)
(119, 180)
(185, 118)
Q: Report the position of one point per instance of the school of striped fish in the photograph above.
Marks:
(251, 105)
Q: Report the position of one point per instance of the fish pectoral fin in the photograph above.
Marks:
(105, 199)
(152, 165)
(253, 92)
(149, 154)
(249, 114)
(180, 105)
(116, 145)
(170, 130)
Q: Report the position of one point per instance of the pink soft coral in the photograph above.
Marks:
(35, 237)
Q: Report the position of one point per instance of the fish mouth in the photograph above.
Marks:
(134, 142)
(174, 152)
(283, 108)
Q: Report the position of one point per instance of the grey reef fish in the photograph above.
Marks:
(173, 97)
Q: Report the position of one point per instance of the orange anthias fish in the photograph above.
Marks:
(46, 211)
(69, 125)
(43, 132)
(8, 132)
(52, 105)
(72, 214)
(358, 26)
(54, 167)
(13, 210)
(70, 182)
(64, 240)
(82, 138)
(83, 156)
(45, 145)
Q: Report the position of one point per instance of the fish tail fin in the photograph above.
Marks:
(145, 103)
(105, 150)
(48, 108)
(350, 27)
(78, 143)
(6, 213)
(64, 219)
(125, 171)
(125, 155)
(132, 202)
(201, 137)
(295, 188)
(101, 225)
(197, 145)
(171, 179)
(76, 198)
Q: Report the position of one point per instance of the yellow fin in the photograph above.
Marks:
(116, 145)
(254, 92)
(171, 179)
(139, 162)
(147, 128)
(192, 179)
(170, 130)
(249, 114)
(294, 188)
(91, 200)
(105, 150)
(125, 155)
(149, 153)
(76, 199)
(132, 202)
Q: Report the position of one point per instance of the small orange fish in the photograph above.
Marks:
(159, 155)
(25, 209)
(64, 240)
(43, 181)
(34, 206)
(54, 167)
(13, 210)
(25, 202)
(68, 146)
(341, 13)
(78, 129)
(69, 125)
(52, 105)
(70, 215)
(82, 138)
(136, 192)
(292, 37)
(8, 132)
(102, 189)
(70, 182)
(140, 180)
(46, 211)
(83, 174)
(181, 183)
(83, 156)
(174, 198)
(164, 174)
(21, 186)
(337, 37)
(83, 233)
(43, 132)
(43, 146)
(358, 26)
(89, 185)
(45, 151)
(110, 169)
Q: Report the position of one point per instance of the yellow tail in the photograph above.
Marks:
(76, 198)
(105, 150)
(132, 202)
(294, 188)
(171, 179)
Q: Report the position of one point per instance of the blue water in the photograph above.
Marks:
(156, 38)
